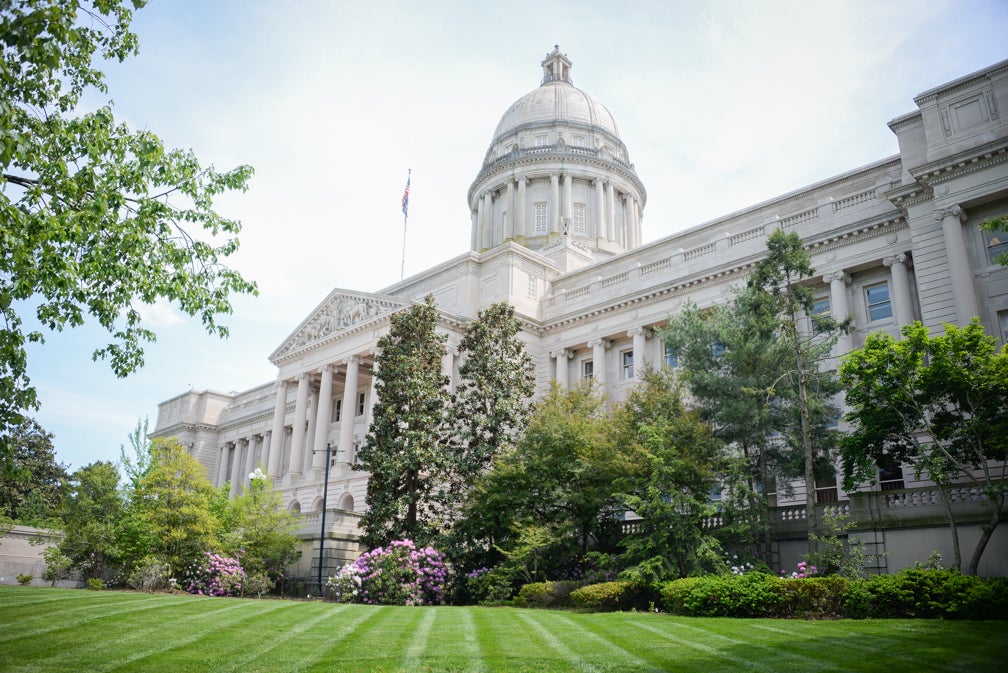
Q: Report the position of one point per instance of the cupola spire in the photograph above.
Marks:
(556, 67)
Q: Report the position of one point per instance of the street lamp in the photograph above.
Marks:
(325, 493)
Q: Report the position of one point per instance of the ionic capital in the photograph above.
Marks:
(353, 359)
(605, 343)
(951, 211)
(636, 331)
(898, 258)
(837, 275)
(562, 354)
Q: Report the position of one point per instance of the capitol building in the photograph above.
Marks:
(557, 216)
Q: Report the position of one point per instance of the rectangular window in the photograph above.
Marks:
(996, 243)
(820, 307)
(671, 357)
(353, 458)
(579, 141)
(587, 370)
(360, 404)
(1003, 322)
(877, 298)
(337, 409)
(533, 287)
(717, 349)
(540, 218)
(627, 357)
(578, 223)
(542, 141)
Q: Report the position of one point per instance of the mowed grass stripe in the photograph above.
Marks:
(50, 622)
(104, 639)
(565, 653)
(578, 633)
(711, 654)
(373, 638)
(419, 636)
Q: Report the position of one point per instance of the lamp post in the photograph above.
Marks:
(321, 544)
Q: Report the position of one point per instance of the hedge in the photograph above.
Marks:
(612, 596)
(546, 594)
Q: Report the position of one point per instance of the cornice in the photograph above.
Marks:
(961, 83)
(960, 164)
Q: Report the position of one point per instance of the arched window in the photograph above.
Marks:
(294, 507)
(346, 503)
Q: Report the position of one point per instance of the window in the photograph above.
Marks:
(533, 287)
(891, 477)
(587, 370)
(996, 243)
(1003, 321)
(579, 141)
(578, 224)
(337, 410)
(540, 218)
(627, 358)
(820, 307)
(826, 485)
(360, 404)
(879, 306)
(671, 357)
(542, 141)
(717, 349)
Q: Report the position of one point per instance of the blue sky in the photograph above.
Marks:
(721, 105)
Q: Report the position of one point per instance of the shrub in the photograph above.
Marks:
(257, 584)
(216, 575)
(620, 595)
(398, 575)
(924, 592)
(490, 586)
(151, 574)
(25, 580)
(546, 594)
(57, 565)
(96, 584)
(814, 597)
(748, 595)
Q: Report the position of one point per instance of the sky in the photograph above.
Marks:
(721, 104)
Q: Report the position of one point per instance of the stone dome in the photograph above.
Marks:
(553, 102)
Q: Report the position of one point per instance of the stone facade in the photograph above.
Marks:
(556, 231)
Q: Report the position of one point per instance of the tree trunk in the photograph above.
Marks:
(807, 449)
(952, 525)
(987, 532)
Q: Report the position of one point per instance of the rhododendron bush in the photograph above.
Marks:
(400, 574)
(216, 575)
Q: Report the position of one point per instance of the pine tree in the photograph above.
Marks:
(404, 448)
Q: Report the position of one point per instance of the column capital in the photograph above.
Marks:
(837, 275)
(324, 368)
(950, 211)
(562, 354)
(898, 258)
(605, 343)
(636, 331)
(353, 359)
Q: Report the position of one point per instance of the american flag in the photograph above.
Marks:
(405, 198)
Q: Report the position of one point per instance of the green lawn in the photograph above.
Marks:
(68, 630)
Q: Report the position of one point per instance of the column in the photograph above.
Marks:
(236, 466)
(839, 306)
(520, 207)
(448, 364)
(250, 461)
(298, 428)
(599, 347)
(478, 229)
(322, 416)
(639, 335)
(509, 218)
(568, 208)
(309, 443)
(267, 438)
(611, 212)
(222, 471)
(902, 301)
(349, 409)
(960, 274)
(634, 220)
(489, 240)
(554, 206)
(562, 367)
(277, 434)
(600, 227)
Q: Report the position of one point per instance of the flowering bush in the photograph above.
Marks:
(216, 575)
(804, 570)
(400, 574)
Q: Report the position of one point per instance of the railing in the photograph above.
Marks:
(854, 200)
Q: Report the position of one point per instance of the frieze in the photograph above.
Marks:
(340, 313)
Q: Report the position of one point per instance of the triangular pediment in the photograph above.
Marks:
(341, 312)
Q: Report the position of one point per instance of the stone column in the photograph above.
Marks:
(634, 220)
(222, 471)
(267, 439)
(479, 236)
(902, 300)
(489, 240)
(960, 274)
(322, 417)
(611, 213)
(639, 335)
(250, 461)
(298, 428)
(236, 466)
(839, 306)
(568, 207)
(309, 443)
(562, 368)
(509, 218)
(349, 409)
(599, 347)
(554, 206)
(277, 434)
(520, 207)
(600, 227)
(448, 364)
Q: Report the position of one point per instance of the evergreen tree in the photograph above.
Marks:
(30, 483)
(404, 448)
(95, 518)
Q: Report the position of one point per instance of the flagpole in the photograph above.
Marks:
(405, 214)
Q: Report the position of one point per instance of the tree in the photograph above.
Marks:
(137, 467)
(780, 300)
(94, 513)
(173, 502)
(672, 462)
(30, 487)
(939, 403)
(95, 219)
(404, 448)
(998, 224)
(490, 408)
